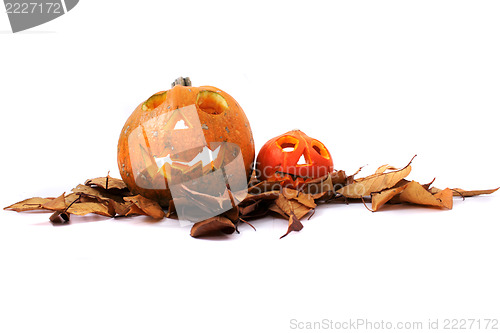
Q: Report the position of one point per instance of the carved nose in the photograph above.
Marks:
(302, 160)
(180, 125)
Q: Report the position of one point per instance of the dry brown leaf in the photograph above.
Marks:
(428, 185)
(73, 196)
(290, 193)
(374, 183)
(107, 183)
(246, 210)
(97, 192)
(294, 224)
(211, 226)
(275, 208)
(291, 206)
(59, 218)
(458, 192)
(327, 185)
(435, 190)
(233, 214)
(338, 177)
(380, 198)
(119, 208)
(149, 207)
(446, 198)
(319, 185)
(270, 195)
(305, 199)
(264, 186)
(84, 208)
(259, 208)
(417, 194)
(134, 210)
(35, 203)
(57, 204)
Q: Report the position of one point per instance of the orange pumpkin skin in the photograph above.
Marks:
(150, 132)
(278, 159)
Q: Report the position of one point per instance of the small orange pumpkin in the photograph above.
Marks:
(173, 135)
(293, 156)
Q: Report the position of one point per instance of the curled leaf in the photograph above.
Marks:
(374, 183)
(275, 208)
(291, 206)
(446, 198)
(147, 206)
(270, 195)
(59, 218)
(35, 203)
(265, 186)
(294, 224)
(303, 198)
(57, 204)
(458, 192)
(417, 194)
(211, 226)
(338, 177)
(246, 210)
(97, 192)
(380, 198)
(134, 210)
(233, 214)
(84, 208)
(119, 208)
(107, 183)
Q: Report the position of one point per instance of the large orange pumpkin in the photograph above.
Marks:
(174, 136)
(293, 156)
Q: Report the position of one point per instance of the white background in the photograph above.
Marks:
(375, 81)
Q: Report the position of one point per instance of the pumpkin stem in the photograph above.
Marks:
(182, 81)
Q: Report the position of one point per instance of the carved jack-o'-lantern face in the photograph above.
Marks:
(187, 141)
(291, 156)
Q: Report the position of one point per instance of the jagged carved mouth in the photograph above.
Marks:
(205, 157)
(200, 179)
(197, 162)
(203, 181)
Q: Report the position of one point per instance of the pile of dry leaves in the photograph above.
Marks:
(388, 185)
